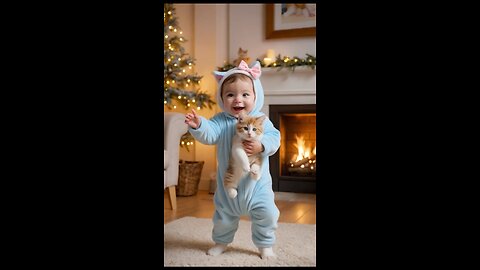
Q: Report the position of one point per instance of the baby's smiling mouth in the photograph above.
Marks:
(237, 109)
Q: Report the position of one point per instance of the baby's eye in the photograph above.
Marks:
(246, 95)
(246, 128)
(254, 129)
(229, 95)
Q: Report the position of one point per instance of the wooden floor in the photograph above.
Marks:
(294, 207)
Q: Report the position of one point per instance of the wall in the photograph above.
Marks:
(214, 33)
(247, 30)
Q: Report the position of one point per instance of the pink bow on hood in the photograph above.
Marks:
(255, 71)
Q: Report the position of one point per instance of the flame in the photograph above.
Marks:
(303, 151)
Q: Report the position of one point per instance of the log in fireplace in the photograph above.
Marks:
(294, 166)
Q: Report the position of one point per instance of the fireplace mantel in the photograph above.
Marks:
(288, 87)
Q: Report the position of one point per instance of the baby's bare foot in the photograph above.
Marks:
(217, 250)
(266, 253)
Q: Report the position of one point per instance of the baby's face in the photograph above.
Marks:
(238, 96)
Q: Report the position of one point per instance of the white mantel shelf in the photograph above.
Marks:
(288, 82)
(288, 87)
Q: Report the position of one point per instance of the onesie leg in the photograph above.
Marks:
(224, 227)
(264, 216)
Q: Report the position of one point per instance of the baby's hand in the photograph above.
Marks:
(192, 119)
(252, 147)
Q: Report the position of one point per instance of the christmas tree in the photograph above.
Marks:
(179, 81)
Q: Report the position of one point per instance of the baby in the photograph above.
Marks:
(240, 91)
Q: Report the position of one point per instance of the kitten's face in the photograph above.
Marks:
(250, 128)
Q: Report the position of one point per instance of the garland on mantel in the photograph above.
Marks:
(282, 62)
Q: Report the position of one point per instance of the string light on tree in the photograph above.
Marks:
(177, 83)
(180, 88)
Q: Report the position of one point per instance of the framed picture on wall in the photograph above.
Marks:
(290, 20)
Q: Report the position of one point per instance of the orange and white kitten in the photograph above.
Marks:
(248, 128)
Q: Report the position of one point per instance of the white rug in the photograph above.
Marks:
(187, 240)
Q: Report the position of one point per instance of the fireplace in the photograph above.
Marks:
(290, 99)
(294, 165)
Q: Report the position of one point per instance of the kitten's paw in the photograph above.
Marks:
(255, 172)
(255, 169)
(255, 176)
(232, 193)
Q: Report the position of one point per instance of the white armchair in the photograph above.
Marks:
(174, 128)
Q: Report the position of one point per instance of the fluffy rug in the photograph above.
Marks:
(187, 240)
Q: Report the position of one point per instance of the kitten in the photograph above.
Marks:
(242, 55)
(248, 128)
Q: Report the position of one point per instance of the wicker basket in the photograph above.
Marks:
(189, 177)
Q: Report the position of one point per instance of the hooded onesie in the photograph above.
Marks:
(255, 197)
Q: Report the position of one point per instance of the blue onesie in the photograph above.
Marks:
(255, 198)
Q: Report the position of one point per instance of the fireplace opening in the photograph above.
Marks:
(298, 157)
(294, 166)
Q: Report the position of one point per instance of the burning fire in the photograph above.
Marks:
(303, 151)
(305, 159)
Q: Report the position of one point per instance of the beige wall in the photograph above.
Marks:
(247, 30)
(214, 33)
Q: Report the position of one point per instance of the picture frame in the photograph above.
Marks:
(284, 21)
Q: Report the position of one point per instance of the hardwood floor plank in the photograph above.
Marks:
(308, 218)
(294, 207)
(294, 212)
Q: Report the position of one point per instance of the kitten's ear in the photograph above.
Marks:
(241, 117)
(218, 75)
(261, 118)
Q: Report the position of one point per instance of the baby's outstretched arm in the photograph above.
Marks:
(192, 119)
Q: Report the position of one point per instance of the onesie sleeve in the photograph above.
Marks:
(208, 132)
(271, 138)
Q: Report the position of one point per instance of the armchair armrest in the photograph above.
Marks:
(174, 128)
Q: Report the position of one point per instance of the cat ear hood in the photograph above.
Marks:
(253, 72)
